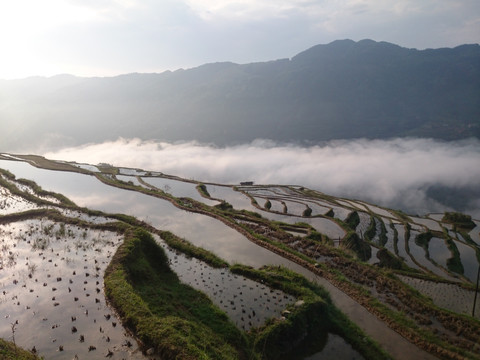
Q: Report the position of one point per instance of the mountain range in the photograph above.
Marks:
(341, 90)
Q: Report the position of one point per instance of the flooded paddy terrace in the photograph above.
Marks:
(230, 245)
(52, 276)
(52, 288)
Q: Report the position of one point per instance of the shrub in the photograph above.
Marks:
(268, 205)
(307, 212)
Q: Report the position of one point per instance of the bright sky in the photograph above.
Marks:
(111, 37)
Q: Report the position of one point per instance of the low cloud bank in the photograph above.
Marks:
(398, 173)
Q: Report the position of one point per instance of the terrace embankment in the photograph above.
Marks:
(374, 288)
(179, 322)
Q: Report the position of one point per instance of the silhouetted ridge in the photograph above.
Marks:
(344, 89)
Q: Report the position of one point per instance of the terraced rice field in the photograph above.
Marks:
(446, 258)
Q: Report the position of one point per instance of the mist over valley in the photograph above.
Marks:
(325, 205)
(417, 176)
(355, 119)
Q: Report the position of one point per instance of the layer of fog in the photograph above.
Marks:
(416, 175)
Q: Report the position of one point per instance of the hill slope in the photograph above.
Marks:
(345, 89)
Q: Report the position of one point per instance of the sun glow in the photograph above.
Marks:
(28, 30)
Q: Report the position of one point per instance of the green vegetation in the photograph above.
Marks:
(307, 212)
(469, 241)
(191, 250)
(306, 320)
(177, 321)
(36, 189)
(361, 248)
(388, 260)
(423, 240)
(353, 220)
(408, 228)
(459, 220)
(7, 174)
(316, 236)
(395, 237)
(401, 215)
(251, 213)
(180, 322)
(202, 189)
(224, 206)
(173, 318)
(107, 169)
(371, 230)
(9, 351)
(454, 263)
(268, 205)
(383, 233)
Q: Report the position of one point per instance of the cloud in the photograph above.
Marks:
(110, 37)
(397, 173)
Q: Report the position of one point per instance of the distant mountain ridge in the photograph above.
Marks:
(344, 89)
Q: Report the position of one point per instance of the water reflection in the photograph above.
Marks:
(53, 287)
(203, 231)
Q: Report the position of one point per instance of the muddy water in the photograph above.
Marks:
(295, 208)
(475, 233)
(448, 296)
(213, 235)
(340, 213)
(355, 204)
(363, 224)
(132, 179)
(131, 172)
(469, 261)
(317, 209)
(439, 251)
(11, 204)
(378, 211)
(238, 200)
(53, 286)
(322, 225)
(241, 201)
(276, 206)
(246, 302)
(402, 252)
(201, 230)
(389, 245)
(428, 223)
(419, 255)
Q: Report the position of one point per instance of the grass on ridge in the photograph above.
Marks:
(175, 319)
(8, 351)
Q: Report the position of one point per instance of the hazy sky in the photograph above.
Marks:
(110, 37)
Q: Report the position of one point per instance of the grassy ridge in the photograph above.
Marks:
(36, 189)
(176, 320)
(8, 351)
(182, 323)
(191, 250)
(304, 325)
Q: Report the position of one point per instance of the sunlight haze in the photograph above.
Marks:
(107, 38)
